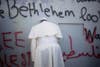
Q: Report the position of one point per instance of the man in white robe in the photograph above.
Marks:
(45, 50)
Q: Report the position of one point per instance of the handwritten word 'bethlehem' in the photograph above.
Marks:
(32, 9)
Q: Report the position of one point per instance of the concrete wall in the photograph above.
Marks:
(79, 21)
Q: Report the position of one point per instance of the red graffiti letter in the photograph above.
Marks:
(17, 40)
(13, 59)
(29, 57)
(2, 62)
(23, 60)
(5, 40)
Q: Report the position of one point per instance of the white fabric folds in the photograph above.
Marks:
(45, 50)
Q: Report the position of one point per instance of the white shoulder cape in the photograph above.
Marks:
(45, 29)
(40, 30)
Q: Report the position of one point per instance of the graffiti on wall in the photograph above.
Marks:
(89, 37)
(12, 40)
(10, 60)
(31, 10)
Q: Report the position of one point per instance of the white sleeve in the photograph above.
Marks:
(32, 34)
(33, 49)
(33, 46)
(59, 34)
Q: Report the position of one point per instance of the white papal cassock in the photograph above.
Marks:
(45, 50)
